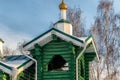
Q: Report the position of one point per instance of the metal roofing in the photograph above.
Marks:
(16, 57)
(15, 60)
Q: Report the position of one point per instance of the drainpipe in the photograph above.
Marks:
(35, 63)
(14, 74)
(78, 59)
(32, 59)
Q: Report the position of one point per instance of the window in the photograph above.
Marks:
(58, 63)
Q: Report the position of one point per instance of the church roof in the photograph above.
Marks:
(47, 37)
(15, 62)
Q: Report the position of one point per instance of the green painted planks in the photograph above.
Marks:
(51, 56)
(56, 52)
(56, 46)
(58, 75)
(56, 49)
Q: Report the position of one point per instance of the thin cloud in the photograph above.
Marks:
(12, 38)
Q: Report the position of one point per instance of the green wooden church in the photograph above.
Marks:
(53, 55)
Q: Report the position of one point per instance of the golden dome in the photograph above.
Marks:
(63, 5)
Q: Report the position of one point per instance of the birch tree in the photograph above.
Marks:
(106, 32)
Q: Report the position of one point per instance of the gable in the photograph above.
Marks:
(56, 48)
(90, 46)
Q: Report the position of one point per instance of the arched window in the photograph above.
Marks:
(58, 63)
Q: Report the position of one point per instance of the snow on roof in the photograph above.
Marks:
(15, 63)
(82, 38)
(15, 60)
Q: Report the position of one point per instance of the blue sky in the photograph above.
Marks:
(25, 19)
